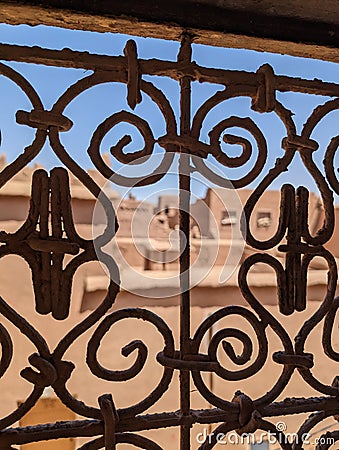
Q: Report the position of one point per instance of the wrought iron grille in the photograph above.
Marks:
(44, 248)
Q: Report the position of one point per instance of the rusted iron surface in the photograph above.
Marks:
(44, 248)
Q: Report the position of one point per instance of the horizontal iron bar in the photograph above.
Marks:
(90, 428)
(83, 60)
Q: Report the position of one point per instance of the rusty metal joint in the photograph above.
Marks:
(191, 362)
(335, 384)
(184, 144)
(133, 74)
(47, 374)
(299, 143)
(249, 417)
(50, 245)
(111, 418)
(304, 361)
(42, 120)
(265, 100)
(186, 420)
(64, 371)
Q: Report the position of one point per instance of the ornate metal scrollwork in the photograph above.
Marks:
(44, 249)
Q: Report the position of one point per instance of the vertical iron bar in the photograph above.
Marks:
(184, 208)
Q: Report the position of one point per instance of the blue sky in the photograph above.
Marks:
(91, 108)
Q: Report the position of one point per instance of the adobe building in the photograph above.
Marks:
(158, 292)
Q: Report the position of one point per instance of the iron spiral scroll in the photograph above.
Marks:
(108, 424)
